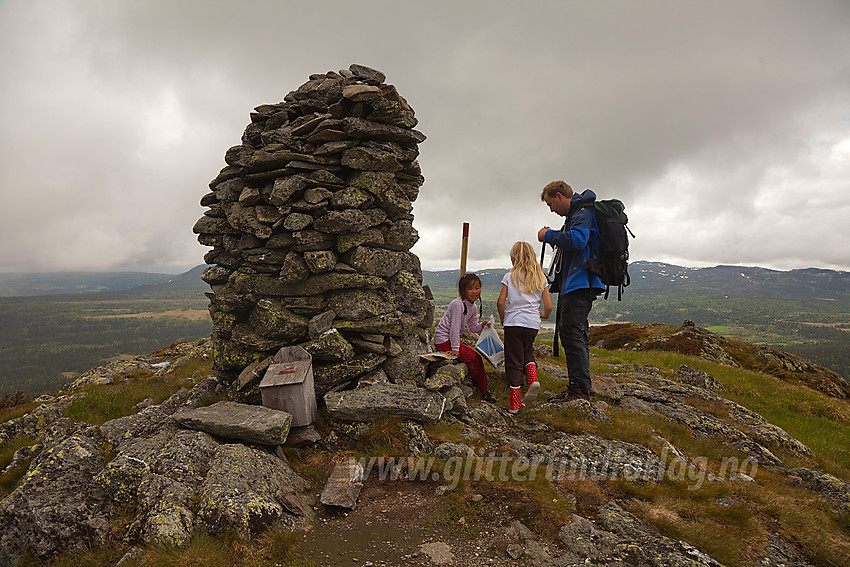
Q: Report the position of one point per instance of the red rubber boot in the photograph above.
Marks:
(533, 384)
(516, 400)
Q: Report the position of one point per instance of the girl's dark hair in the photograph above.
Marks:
(464, 282)
(467, 280)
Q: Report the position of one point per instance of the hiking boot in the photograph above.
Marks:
(577, 395)
(516, 401)
(488, 397)
(572, 393)
(533, 384)
(556, 398)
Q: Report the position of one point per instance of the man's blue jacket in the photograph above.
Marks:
(576, 238)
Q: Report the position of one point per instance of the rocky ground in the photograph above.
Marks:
(404, 523)
(176, 468)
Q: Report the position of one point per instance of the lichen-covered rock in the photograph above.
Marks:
(747, 435)
(328, 376)
(834, 488)
(358, 304)
(406, 368)
(181, 455)
(750, 422)
(240, 491)
(314, 285)
(447, 451)
(583, 541)
(147, 422)
(20, 457)
(395, 323)
(351, 198)
(406, 292)
(122, 476)
(376, 261)
(769, 434)
(348, 221)
(382, 400)
(331, 346)
(622, 539)
(418, 442)
(56, 507)
(272, 319)
(590, 457)
(107, 374)
(594, 410)
(185, 457)
(320, 324)
(294, 268)
(320, 260)
(400, 235)
(446, 375)
(35, 423)
(166, 517)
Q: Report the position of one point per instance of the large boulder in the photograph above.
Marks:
(247, 489)
(56, 507)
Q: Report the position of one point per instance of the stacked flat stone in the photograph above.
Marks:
(310, 226)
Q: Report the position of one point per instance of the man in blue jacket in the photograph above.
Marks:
(578, 288)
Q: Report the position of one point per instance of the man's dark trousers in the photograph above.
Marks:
(573, 310)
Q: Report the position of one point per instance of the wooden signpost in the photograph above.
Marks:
(464, 245)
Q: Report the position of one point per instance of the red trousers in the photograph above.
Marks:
(473, 360)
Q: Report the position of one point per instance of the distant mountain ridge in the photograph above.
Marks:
(661, 277)
(62, 283)
(186, 280)
(645, 276)
(67, 283)
(741, 280)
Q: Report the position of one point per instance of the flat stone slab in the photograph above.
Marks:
(344, 485)
(382, 400)
(238, 422)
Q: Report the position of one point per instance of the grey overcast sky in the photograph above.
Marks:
(724, 125)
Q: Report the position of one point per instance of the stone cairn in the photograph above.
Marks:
(310, 226)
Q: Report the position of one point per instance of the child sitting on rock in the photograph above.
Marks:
(460, 314)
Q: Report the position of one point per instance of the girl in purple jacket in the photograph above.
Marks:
(461, 313)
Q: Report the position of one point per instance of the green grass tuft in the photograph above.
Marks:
(10, 480)
(111, 401)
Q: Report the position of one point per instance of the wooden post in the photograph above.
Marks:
(464, 245)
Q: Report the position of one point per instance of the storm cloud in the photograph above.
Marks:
(723, 125)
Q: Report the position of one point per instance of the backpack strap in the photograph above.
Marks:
(593, 252)
(557, 320)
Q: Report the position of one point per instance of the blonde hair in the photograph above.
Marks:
(526, 275)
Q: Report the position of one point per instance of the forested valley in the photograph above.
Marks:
(47, 340)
